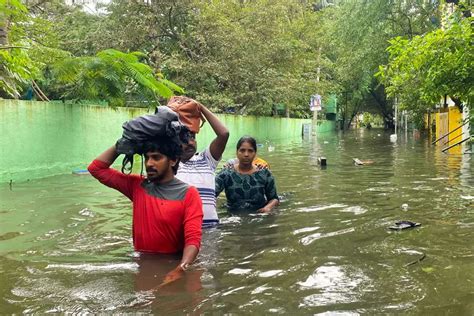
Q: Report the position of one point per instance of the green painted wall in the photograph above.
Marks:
(325, 126)
(39, 139)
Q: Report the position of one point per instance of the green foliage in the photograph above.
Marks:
(28, 46)
(372, 119)
(248, 56)
(111, 75)
(34, 53)
(232, 55)
(14, 62)
(354, 36)
(424, 69)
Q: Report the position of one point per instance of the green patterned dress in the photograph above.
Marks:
(248, 192)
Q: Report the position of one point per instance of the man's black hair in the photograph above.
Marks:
(168, 146)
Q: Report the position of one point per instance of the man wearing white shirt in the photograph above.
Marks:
(199, 169)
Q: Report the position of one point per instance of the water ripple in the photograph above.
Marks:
(309, 239)
(112, 267)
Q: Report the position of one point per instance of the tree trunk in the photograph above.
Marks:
(387, 115)
(4, 23)
(350, 121)
(457, 102)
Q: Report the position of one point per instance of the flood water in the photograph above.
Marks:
(65, 241)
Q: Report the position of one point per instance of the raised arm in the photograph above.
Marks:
(108, 156)
(218, 144)
(100, 169)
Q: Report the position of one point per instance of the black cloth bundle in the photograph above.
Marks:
(143, 129)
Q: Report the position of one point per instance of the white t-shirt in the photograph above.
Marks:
(200, 171)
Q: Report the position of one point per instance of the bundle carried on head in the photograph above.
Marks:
(137, 133)
(189, 111)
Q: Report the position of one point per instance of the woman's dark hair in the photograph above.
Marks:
(168, 146)
(247, 139)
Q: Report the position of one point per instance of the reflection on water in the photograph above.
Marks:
(65, 242)
(335, 286)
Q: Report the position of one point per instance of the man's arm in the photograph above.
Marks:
(108, 156)
(218, 144)
(190, 253)
(192, 234)
(100, 169)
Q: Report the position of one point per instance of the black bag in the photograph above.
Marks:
(142, 129)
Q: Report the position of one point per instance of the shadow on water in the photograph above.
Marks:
(65, 241)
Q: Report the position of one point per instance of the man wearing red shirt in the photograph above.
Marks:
(167, 213)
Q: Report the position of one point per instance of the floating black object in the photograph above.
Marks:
(322, 161)
(404, 225)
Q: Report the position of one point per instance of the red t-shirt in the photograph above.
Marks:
(159, 225)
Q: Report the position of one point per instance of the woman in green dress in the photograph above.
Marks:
(246, 186)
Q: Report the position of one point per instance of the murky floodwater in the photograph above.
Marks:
(65, 242)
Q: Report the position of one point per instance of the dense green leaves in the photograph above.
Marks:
(15, 65)
(355, 35)
(111, 75)
(31, 49)
(424, 69)
(248, 57)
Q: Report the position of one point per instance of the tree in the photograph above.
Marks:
(16, 68)
(242, 55)
(27, 45)
(425, 68)
(112, 76)
(248, 56)
(354, 36)
(31, 51)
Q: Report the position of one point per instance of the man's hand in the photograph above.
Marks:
(189, 254)
(175, 274)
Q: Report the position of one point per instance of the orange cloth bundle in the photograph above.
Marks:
(259, 162)
(189, 112)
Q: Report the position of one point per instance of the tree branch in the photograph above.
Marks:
(11, 47)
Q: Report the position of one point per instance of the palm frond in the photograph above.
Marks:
(109, 75)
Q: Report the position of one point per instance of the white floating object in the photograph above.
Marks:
(271, 148)
(393, 137)
(240, 271)
(405, 206)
